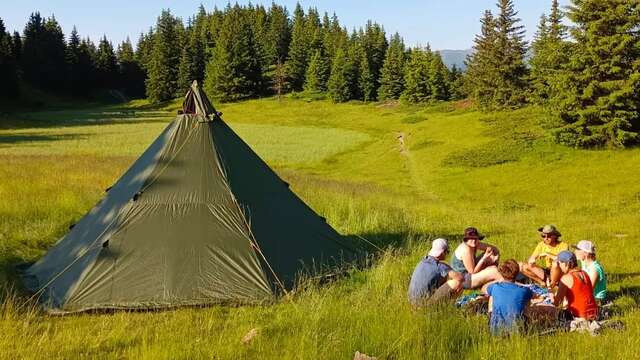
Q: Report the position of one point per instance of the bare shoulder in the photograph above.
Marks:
(567, 280)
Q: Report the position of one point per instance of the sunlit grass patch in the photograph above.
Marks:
(346, 161)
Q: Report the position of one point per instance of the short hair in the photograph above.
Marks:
(509, 269)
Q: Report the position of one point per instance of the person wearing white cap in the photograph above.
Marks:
(585, 251)
(433, 280)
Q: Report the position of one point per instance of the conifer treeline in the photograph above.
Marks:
(238, 52)
(587, 75)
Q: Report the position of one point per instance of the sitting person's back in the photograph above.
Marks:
(432, 279)
(586, 253)
(508, 300)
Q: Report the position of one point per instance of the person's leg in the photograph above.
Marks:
(555, 275)
(534, 273)
(449, 290)
(484, 276)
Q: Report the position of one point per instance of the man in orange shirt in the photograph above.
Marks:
(548, 273)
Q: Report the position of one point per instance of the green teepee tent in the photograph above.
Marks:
(199, 218)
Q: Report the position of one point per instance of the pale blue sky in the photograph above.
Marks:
(446, 24)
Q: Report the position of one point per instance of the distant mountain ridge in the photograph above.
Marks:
(455, 57)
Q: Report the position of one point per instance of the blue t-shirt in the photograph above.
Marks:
(509, 301)
(428, 275)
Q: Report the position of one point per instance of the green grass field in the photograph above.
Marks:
(394, 174)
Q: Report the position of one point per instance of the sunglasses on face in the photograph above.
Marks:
(547, 235)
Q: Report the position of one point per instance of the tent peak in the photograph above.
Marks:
(197, 102)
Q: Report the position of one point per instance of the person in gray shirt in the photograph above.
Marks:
(434, 281)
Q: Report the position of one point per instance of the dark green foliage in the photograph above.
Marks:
(76, 84)
(144, 49)
(374, 42)
(496, 72)
(366, 79)
(550, 55)
(162, 69)
(335, 37)
(106, 65)
(392, 73)
(131, 75)
(600, 97)
(439, 78)
(456, 84)
(417, 76)
(317, 72)
(278, 35)
(16, 46)
(234, 71)
(341, 81)
(191, 61)
(298, 50)
(43, 56)
(8, 65)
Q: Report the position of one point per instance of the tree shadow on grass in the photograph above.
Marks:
(14, 139)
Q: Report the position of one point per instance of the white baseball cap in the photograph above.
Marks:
(586, 246)
(438, 246)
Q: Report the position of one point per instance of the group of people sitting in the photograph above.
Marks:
(576, 283)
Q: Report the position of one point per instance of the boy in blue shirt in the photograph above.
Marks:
(507, 301)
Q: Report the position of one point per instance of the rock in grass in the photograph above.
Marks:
(250, 335)
(361, 356)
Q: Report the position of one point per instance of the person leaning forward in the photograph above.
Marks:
(433, 281)
(548, 274)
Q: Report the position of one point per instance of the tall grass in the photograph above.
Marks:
(448, 174)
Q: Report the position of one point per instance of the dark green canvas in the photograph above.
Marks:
(199, 218)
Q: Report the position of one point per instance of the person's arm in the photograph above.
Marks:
(563, 287)
(470, 262)
(593, 275)
(492, 248)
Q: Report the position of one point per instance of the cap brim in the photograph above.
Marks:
(436, 253)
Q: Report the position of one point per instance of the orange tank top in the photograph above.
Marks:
(580, 297)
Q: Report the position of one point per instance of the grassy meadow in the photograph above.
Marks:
(396, 175)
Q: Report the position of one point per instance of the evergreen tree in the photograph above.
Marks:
(16, 47)
(278, 35)
(298, 50)
(375, 45)
(600, 101)
(234, 71)
(144, 50)
(550, 55)
(43, 53)
(131, 74)
(8, 68)
(334, 37)
(188, 69)
(106, 64)
(72, 58)
(496, 72)
(439, 78)
(86, 72)
(317, 72)
(340, 89)
(481, 79)
(456, 83)
(392, 73)
(417, 77)
(366, 79)
(162, 71)
(510, 51)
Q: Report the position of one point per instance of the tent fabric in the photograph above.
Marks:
(199, 218)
